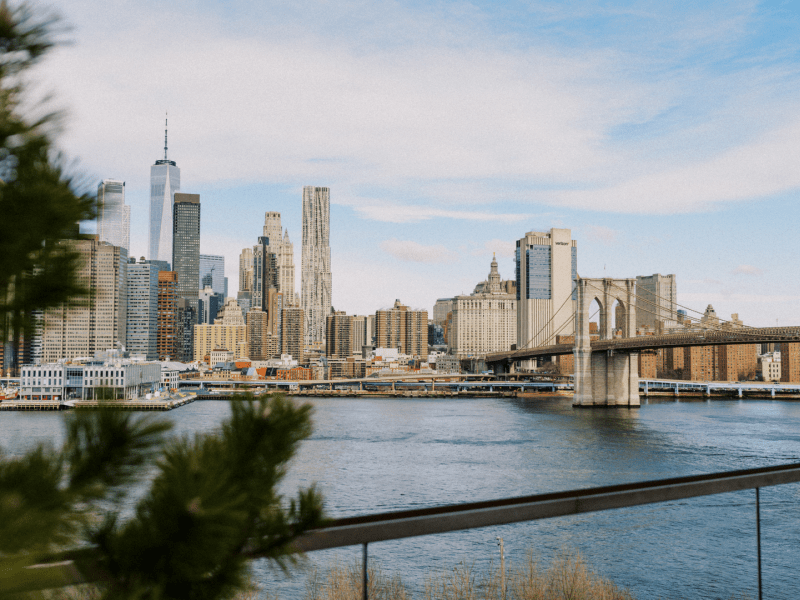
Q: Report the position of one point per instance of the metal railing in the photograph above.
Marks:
(381, 527)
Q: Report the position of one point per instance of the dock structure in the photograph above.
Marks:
(138, 404)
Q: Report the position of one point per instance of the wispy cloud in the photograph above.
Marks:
(394, 213)
(409, 251)
(607, 130)
(748, 270)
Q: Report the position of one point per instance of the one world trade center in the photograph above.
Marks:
(165, 180)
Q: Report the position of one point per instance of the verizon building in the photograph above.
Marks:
(547, 269)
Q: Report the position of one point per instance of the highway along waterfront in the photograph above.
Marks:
(372, 455)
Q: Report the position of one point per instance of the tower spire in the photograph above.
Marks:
(165, 135)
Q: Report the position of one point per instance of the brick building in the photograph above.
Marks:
(790, 362)
(167, 332)
(402, 328)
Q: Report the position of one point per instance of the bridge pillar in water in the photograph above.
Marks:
(605, 378)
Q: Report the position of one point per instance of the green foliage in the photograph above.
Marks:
(212, 504)
(38, 201)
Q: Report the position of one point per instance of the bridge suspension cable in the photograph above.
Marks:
(569, 297)
(694, 320)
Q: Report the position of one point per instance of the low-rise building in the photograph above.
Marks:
(89, 379)
(769, 366)
(447, 363)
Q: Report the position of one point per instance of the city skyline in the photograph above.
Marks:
(597, 123)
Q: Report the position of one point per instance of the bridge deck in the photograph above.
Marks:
(749, 335)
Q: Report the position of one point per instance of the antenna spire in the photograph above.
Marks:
(165, 135)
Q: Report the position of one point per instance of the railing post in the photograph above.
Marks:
(758, 542)
(365, 579)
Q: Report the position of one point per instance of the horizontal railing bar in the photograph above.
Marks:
(443, 519)
(81, 565)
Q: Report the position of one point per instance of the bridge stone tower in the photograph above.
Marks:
(605, 378)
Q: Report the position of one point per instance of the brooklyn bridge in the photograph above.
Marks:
(606, 369)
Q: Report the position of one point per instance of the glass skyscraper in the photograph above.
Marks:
(165, 180)
(113, 216)
(186, 248)
(213, 265)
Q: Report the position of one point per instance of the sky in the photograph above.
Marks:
(666, 136)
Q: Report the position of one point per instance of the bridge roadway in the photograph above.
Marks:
(447, 382)
(646, 386)
(748, 335)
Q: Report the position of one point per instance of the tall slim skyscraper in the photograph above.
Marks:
(186, 249)
(165, 181)
(547, 269)
(265, 274)
(316, 263)
(113, 215)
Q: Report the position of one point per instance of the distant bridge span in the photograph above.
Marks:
(749, 335)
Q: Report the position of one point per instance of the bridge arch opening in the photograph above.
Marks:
(596, 316)
(619, 315)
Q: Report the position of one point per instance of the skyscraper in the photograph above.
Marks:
(113, 215)
(265, 274)
(292, 337)
(402, 328)
(186, 250)
(142, 313)
(214, 265)
(656, 298)
(70, 331)
(339, 336)
(547, 269)
(167, 335)
(165, 181)
(316, 263)
(283, 249)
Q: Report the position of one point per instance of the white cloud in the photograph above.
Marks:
(428, 115)
(409, 251)
(757, 169)
(748, 270)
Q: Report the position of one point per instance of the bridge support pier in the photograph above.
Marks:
(604, 378)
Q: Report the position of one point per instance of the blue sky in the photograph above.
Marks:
(666, 136)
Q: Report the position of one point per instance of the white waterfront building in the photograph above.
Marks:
(82, 380)
(483, 322)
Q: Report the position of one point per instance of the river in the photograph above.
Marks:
(373, 455)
